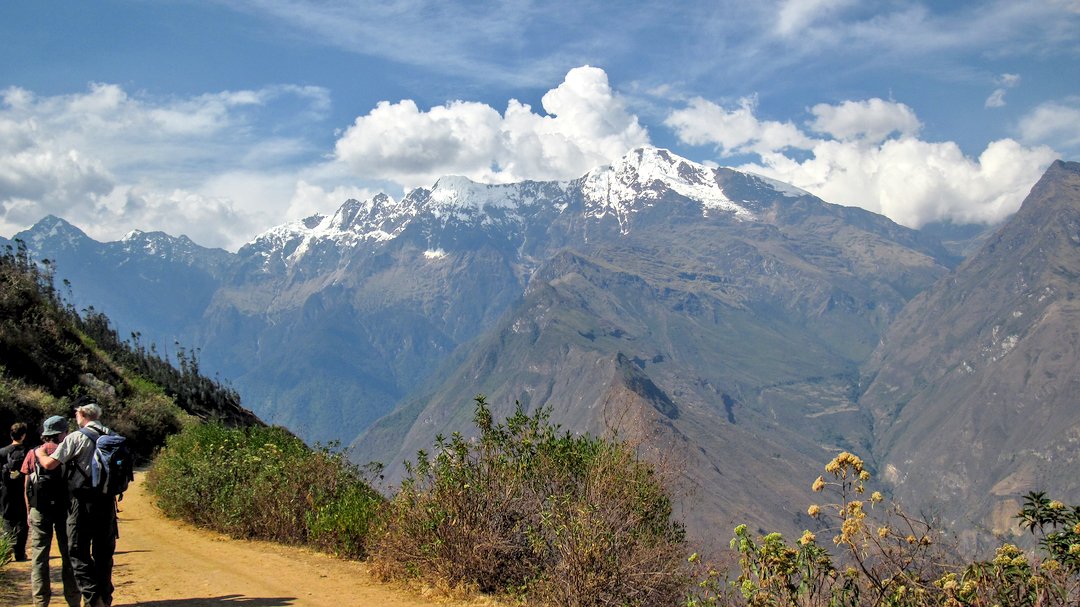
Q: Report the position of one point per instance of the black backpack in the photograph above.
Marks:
(111, 469)
(11, 474)
(47, 490)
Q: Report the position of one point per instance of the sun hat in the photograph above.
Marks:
(54, 425)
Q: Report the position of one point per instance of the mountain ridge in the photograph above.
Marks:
(732, 330)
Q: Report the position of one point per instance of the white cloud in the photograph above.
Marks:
(1053, 123)
(733, 131)
(1009, 80)
(997, 98)
(871, 158)
(796, 15)
(109, 161)
(585, 125)
(871, 121)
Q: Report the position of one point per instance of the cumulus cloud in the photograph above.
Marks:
(110, 161)
(872, 121)
(871, 157)
(584, 124)
(733, 131)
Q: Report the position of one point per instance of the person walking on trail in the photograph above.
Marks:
(47, 504)
(12, 504)
(91, 519)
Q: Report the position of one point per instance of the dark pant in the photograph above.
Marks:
(17, 529)
(91, 529)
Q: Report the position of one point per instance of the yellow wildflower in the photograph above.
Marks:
(813, 510)
(864, 476)
(1051, 565)
(883, 532)
(1074, 548)
(833, 467)
(807, 538)
(850, 527)
(1076, 528)
(1056, 505)
(876, 497)
(818, 485)
(910, 539)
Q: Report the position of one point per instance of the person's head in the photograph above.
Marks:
(18, 432)
(54, 429)
(87, 413)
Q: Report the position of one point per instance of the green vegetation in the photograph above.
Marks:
(880, 556)
(524, 510)
(52, 355)
(534, 512)
(264, 483)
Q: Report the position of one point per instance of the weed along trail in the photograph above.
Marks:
(164, 563)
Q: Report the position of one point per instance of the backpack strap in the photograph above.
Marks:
(93, 435)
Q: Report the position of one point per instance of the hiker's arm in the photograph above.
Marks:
(26, 498)
(47, 461)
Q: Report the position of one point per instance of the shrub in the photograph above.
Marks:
(880, 556)
(528, 510)
(264, 483)
(6, 550)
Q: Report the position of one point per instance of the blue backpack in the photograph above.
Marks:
(111, 469)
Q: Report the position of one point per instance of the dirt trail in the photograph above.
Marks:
(163, 563)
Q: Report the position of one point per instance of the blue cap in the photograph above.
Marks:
(55, 425)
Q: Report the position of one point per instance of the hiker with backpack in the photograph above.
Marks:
(12, 504)
(47, 505)
(91, 519)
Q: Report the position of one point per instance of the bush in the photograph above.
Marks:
(883, 557)
(264, 483)
(530, 511)
(6, 550)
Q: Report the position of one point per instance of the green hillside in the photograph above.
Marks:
(50, 355)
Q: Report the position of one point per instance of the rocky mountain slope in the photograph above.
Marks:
(718, 317)
(974, 388)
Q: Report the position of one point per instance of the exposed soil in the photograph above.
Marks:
(164, 563)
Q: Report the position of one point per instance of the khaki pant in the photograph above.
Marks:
(42, 528)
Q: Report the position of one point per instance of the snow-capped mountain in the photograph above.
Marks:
(645, 179)
(727, 309)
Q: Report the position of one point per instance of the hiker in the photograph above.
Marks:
(12, 504)
(91, 518)
(47, 505)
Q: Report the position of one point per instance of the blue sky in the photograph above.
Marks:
(219, 120)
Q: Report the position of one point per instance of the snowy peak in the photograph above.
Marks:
(54, 232)
(645, 176)
(160, 244)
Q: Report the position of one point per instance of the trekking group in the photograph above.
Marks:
(66, 488)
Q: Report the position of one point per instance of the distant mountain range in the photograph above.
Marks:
(740, 329)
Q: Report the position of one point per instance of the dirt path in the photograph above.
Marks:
(163, 563)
